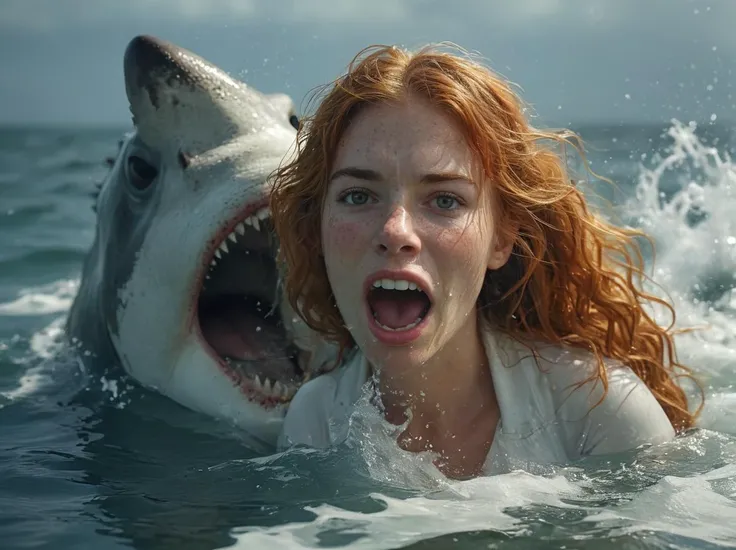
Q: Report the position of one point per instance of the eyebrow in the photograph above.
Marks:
(372, 175)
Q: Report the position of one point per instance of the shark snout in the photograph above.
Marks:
(179, 100)
(149, 61)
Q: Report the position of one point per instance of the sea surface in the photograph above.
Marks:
(92, 463)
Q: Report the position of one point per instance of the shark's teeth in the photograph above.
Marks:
(254, 221)
(274, 390)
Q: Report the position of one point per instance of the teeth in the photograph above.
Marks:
(253, 221)
(275, 390)
(391, 284)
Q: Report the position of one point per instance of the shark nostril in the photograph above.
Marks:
(184, 159)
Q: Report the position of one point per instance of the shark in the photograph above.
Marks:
(181, 286)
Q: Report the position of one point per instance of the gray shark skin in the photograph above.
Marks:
(180, 286)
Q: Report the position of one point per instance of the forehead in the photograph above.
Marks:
(410, 133)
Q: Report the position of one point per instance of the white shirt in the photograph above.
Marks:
(543, 418)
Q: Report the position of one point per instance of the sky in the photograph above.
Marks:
(575, 61)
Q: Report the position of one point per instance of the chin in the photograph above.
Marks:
(398, 358)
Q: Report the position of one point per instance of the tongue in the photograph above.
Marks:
(235, 332)
(397, 308)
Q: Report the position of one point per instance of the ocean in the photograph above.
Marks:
(92, 463)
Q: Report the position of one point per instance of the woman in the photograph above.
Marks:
(427, 231)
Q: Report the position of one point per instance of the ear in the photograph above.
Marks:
(503, 244)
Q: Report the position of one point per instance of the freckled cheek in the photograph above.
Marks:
(346, 238)
(464, 245)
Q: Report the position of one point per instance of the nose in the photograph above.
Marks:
(397, 235)
(147, 55)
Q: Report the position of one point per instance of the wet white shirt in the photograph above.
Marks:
(543, 420)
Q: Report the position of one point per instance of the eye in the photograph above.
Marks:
(294, 121)
(356, 198)
(446, 202)
(140, 173)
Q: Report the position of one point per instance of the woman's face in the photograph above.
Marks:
(408, 234)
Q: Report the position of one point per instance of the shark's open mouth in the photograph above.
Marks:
(239, 322)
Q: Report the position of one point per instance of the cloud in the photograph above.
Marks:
(44, 15)
(676, 19)
(518, 16)
(49, 14)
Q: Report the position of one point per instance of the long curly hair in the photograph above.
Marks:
(572, 278)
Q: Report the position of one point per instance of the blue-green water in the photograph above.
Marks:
(92, 463)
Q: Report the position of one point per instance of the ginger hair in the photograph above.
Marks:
(572, 278)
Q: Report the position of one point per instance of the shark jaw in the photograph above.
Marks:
(237, 322)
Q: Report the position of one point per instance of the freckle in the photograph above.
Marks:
(345, 233)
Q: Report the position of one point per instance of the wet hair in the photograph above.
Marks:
(572, 277)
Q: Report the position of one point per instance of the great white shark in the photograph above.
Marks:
(180, 286)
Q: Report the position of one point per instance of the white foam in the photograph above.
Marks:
(478, 504)
(688, 507)
(52, 298)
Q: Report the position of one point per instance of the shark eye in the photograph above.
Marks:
(141, 174)
(294, 121)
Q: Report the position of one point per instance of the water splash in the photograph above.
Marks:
(687, 203)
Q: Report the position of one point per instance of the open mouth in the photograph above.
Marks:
(238, 314)
(398, 305)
